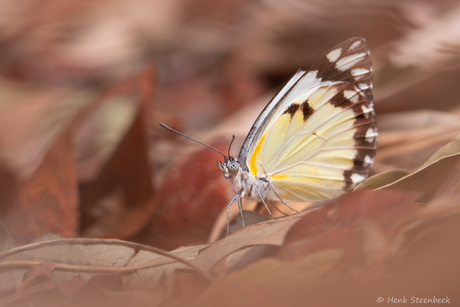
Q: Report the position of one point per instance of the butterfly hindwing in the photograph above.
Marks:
(319, 139)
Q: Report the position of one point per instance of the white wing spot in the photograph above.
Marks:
(368, 160)
(354, 45)
(367, 111)
(347, 62)
(334, 55)
(356, 178)
(363, 86)
(359, 71)
(351, 95)
(371, 134)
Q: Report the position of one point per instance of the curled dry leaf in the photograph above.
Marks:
(143, 267)
(120, 200)
(452, 148)
(426, 180)
(382, 179)
(47, 202)
(270, 232)
(408, 139)
(32, 118)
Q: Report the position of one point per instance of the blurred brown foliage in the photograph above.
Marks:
(83, 87)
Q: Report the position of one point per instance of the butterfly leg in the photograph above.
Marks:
(283, 200)
(241, 210)
(265, 204)
(237, 197)
(278, 209)
(274, 206)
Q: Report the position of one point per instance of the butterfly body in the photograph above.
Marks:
(251, 186)
(316, 139)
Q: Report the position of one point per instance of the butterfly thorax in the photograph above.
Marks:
(243, 181)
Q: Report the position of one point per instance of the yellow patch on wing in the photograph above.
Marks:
(279, 177)
(275, 137)
(254, 164)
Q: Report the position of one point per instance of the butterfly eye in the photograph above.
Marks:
(233, 166)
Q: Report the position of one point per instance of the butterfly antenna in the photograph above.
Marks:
(190, 138)
(230, 146)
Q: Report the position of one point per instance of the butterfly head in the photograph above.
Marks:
(229, 167)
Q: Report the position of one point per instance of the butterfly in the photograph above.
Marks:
(315, 140)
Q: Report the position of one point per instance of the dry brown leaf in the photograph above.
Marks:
(426, 180)
(48, 201)
(32, 117)
(382, 179)
(408, 139)
(452, 148)
(270, 232)
(142, 267)
(357, 223)
(120, 201)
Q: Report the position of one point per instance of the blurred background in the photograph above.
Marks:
(84, 84)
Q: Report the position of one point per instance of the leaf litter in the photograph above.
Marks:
(395, 236)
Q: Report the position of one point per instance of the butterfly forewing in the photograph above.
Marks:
(349, 62)
(319, 140)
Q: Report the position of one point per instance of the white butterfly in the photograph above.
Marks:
(316, 139)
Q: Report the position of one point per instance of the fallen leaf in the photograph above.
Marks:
(358, 224)
(452, 148)
(426, 180)
(48, 201)
(32, 118)
(408, 139)
(270, 232)
(119, 202)
(142, 267)
(382, 179)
